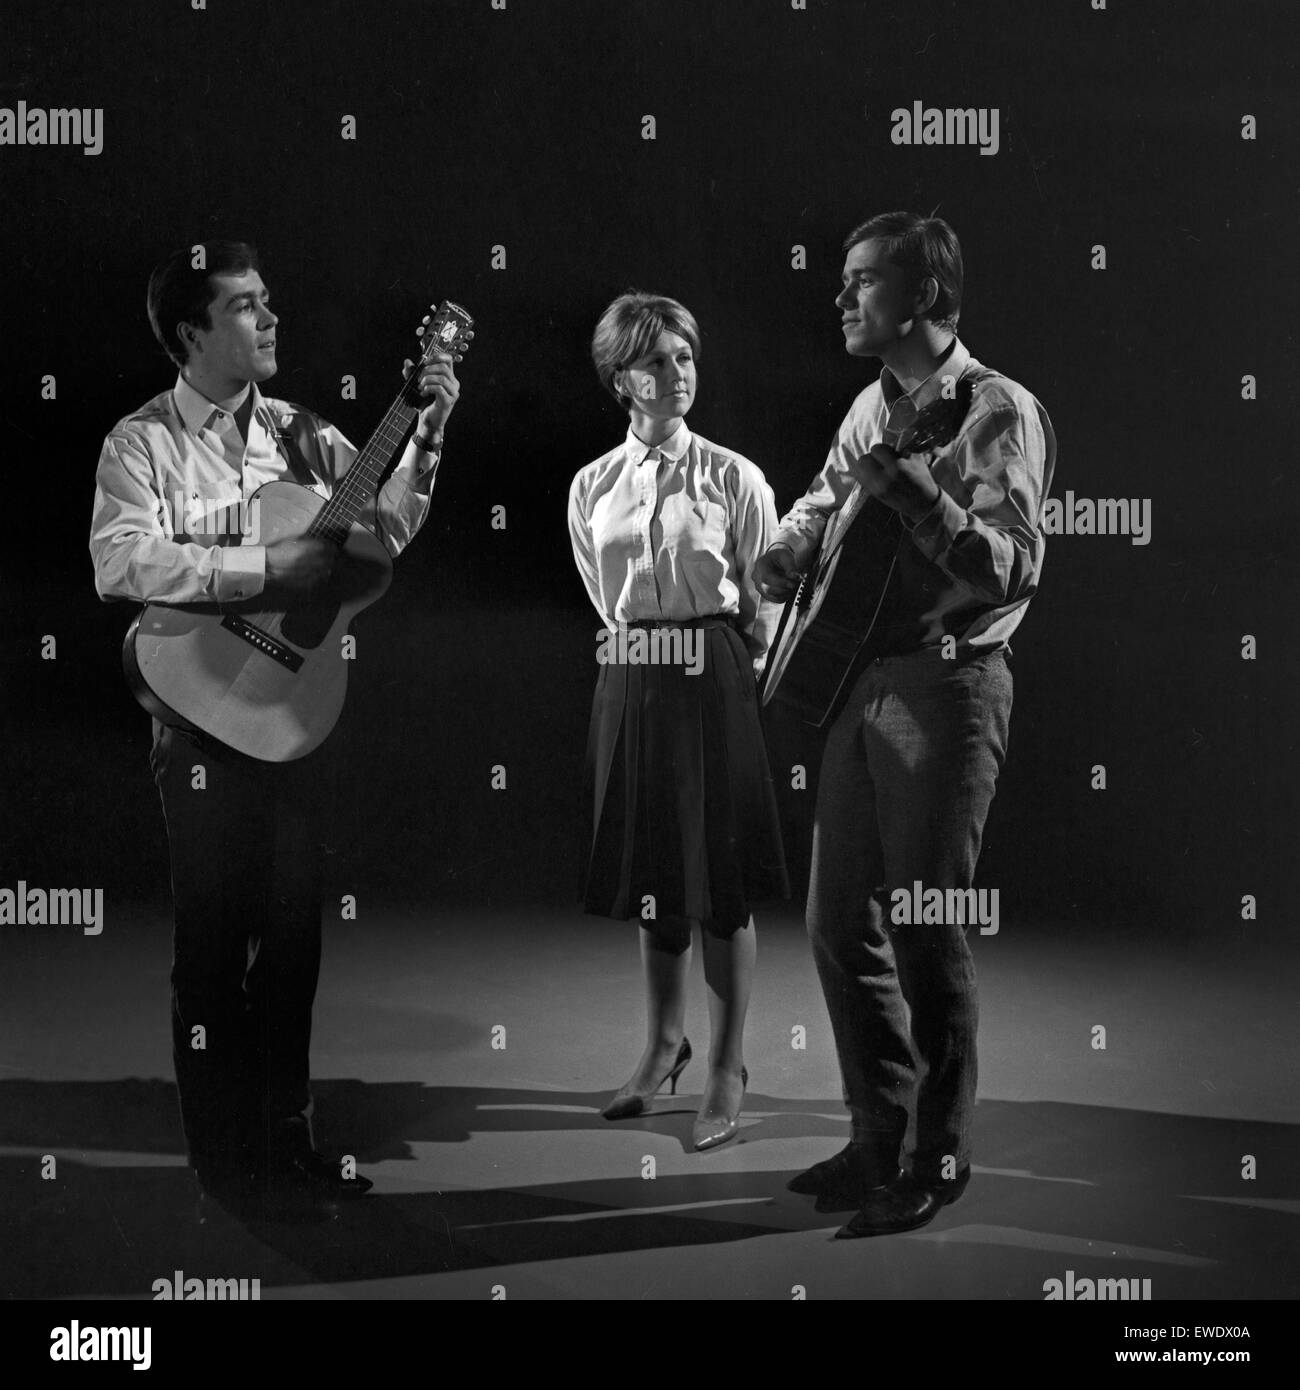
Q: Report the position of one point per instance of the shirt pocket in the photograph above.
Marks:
(218, 516)
(693, 525)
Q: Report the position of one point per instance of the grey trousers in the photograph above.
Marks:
(907, 778)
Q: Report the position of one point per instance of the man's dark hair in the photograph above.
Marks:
(920, 246)
(181, 293)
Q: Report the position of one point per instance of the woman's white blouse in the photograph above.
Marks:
(673, 532)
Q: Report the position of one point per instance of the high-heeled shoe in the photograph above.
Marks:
(711, 1130)
(627, 1104)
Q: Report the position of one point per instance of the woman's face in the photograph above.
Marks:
(661, 383)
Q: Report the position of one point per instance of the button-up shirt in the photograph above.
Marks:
(673, 532)
(969, 566)
(181, 459)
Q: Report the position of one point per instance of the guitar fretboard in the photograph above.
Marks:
(353, 495)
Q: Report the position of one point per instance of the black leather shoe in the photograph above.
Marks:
(905, 1205)
(843, 1181)
(312, 1171)
(846, 1198)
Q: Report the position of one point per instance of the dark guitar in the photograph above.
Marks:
(267, 681)
(824, 637)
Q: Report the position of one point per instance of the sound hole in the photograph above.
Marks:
(308, 626)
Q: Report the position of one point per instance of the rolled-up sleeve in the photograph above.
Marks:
(983, 528)
(402, 505)
(132, 542)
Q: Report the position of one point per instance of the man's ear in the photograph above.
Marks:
(927, 292)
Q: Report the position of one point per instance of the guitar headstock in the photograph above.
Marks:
(940, 422)
(448, 328)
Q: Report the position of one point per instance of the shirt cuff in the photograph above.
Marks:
(417, 469)
(799, 545)
(939, 527)
(242, 572)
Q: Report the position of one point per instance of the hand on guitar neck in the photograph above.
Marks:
(298, 568)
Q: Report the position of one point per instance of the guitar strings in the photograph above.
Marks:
(344, 508)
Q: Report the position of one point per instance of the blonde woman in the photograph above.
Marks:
(666, 529)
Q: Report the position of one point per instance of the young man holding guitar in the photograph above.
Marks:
(243, 830)
(910, 763)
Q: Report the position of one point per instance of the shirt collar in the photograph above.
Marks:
(196, 411)
(672, 448)
(954, 362)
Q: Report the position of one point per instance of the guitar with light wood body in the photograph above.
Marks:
(270, 682)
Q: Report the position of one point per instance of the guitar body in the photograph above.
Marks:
(265, 681)
(822, 640)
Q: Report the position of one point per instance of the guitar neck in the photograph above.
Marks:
(355, 493)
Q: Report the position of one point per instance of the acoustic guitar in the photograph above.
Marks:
(824, 638)
(268, 681)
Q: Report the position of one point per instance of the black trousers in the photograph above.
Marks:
(907, 779)
(245, 839)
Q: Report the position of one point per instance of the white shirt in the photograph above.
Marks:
(673, 532)
(975, 558)
(179, 457)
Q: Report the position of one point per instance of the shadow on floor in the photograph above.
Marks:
(1103, 1191)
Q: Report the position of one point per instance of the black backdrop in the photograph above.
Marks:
(522, 128)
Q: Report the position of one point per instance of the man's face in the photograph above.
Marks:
(877, 303)
(661, 383)
(240, 345)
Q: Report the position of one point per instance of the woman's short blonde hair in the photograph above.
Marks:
(629, 328)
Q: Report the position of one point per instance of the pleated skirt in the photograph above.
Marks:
(685, 820)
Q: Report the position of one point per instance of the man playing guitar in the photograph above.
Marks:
(909, 768)
(244, 835)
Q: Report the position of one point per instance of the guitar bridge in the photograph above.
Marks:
(262, 641)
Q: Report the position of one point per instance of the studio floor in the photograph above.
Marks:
(463, 1056)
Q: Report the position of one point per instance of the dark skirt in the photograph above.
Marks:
(684, 810)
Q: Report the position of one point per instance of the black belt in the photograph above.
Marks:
(713, 620)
